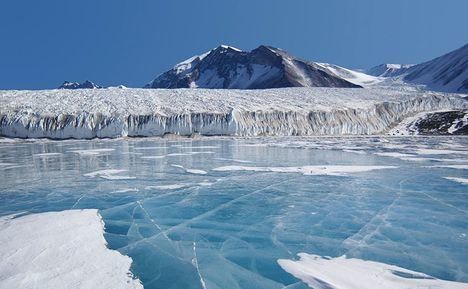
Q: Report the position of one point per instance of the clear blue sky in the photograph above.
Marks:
(111, 42)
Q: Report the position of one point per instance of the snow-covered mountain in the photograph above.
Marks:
(388, 70)
(448, 72)
(263, 67)
(75, 85)
(352, 76)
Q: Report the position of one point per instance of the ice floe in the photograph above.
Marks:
(402, 156)
(44, 155)
(336, 170)
(91, 152)
(153, 157)
(232, 160)
(167, 187)
(458, 167)
(439, 152)
(110, 174)
(463, 181)
(191, 171)
(343, 273)
(60, 250)
(149, 148)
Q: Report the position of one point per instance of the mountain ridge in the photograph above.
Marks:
(263, 67)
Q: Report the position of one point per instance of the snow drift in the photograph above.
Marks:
(342, 273)
(62, 114)
(60, 250)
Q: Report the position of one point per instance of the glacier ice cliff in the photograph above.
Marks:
(110, 113)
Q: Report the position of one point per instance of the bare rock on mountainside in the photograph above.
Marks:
(75, 85)
(263, 67)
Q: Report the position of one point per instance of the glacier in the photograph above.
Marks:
(112, 113)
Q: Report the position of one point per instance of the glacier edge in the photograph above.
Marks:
(300, 115)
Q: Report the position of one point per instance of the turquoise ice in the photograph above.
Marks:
(220, 212)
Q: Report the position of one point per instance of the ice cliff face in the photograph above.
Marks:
(263, 67)
(61, 114)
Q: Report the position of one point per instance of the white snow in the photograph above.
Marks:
(191, 171)
(167, 187)
(352, 76)
(60, 250)
(458, 123)
(186, 65)
(408, 125)
(388, 70)
(109, 174)
(394, 155)
(335, 170)
(177, 154)
(231, 160)
(91, 152)
(343, 273)
(103, 113)
(439, 152)
(149, 148)
(445, 73)
(463, 181)
(457, 167)
(402, 156)
(44, 155)
(231, 47)
(153, 157)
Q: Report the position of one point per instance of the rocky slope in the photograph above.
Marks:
(76, 85)
(263, 67)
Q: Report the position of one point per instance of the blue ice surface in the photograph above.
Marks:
(226, 229)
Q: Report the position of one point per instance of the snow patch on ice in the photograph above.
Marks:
(153, 157)
(149, 148)
(334, 170)
(167, 187)
(232, 160)
(177, 155)
(402, 156)
(129, 190)
(343, 273)
(439, 152)
(360, 152)
(60, 250)
(463, 181)
(91, 152)
(110, 174)
(191, 171)
(458, 167)
(44, 155)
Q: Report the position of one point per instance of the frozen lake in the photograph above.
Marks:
(220, 212)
